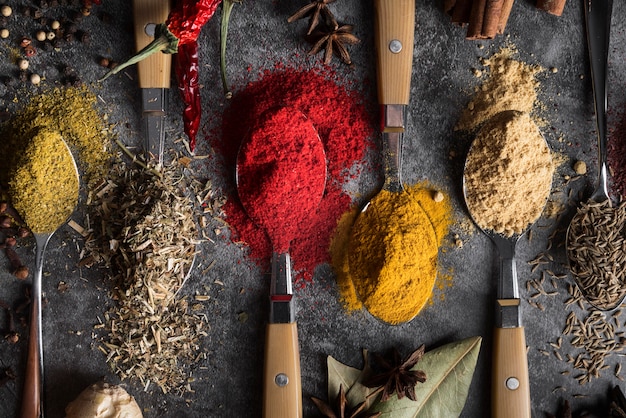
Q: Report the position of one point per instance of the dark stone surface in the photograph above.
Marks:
(228, 381)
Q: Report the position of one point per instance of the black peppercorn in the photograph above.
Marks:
(84, 37)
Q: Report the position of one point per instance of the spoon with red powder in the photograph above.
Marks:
(280, 181)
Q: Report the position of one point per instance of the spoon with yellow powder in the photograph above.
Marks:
(44, 190)
(594, 238)
(392, 228)
(506, 182)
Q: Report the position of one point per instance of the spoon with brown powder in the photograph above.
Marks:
(594, 238)
(506, 183)
(44, 189)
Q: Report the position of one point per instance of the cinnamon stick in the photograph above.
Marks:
(485, 19)
(554, 7)
(461, 12)
(477, 15)
(448, 5)
(491, 20)
(504, 15)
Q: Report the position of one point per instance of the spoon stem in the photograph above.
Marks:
(32, 404)
(598, 24)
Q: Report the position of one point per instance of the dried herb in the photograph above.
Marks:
(397, 375)
(148, 237)
(333, 40)
(316, 9)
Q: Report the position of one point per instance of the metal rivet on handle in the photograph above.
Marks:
(150, 29)
(512, 383)
(395, 46)
(281, 380)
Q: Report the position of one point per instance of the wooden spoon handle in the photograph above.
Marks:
(394, 35)
(154, 71)
(282, 388)
(510, 385)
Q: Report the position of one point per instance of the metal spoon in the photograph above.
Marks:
(282, 388)
(598, 27)
(32, 402)
(510, 384)
(394, 37)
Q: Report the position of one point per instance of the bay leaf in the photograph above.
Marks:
(340, 375)
(449, 370)
(351, 379)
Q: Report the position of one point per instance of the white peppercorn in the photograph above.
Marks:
(4, 33)
(35, 79)
(6, 11)
(55, 25)
(22, 64)
(40, 35)
(50, 35)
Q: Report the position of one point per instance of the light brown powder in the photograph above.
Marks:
(508, 174)
(511, 85)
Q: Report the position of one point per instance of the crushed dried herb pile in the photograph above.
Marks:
(148, 237)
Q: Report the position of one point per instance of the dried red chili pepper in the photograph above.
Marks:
(186, 67)
(178, 34)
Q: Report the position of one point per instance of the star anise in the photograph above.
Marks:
(617, 407)
(316, 9)
(565, 411)
(329, 412)
(397, 376)
(333, 40)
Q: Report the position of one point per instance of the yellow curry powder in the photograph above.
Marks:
(71, 112)
(44, 184)
(388, 262)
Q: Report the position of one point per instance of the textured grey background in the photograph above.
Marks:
(229, 380)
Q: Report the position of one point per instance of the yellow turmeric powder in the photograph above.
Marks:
(44, 184)
(390, 262)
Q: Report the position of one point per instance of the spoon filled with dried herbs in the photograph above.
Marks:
(596, 249)
(506, 182)
(43, 188)
(280, 181)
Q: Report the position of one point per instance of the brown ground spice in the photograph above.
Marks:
(508, 174)
(511, 85)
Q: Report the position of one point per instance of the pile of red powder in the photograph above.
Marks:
(346, 127)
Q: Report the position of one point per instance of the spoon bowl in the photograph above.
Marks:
(32, 403)
(598, 28)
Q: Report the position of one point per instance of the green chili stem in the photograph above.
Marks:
(164, 41)
(227, 7)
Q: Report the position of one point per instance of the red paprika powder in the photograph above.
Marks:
(345, 126)
(281, 173)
